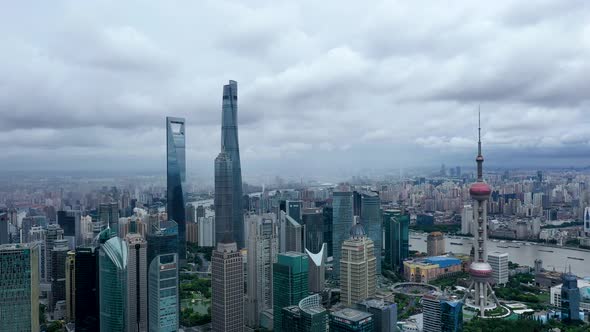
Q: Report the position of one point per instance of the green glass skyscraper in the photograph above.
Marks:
(371, 219)
(19, 287)
(397, 238)
(112, 265)
(289, 283)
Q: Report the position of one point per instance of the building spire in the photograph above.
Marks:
(479, 158)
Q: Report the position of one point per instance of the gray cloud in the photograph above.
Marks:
(321, 84)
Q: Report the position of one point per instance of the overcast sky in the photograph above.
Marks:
(322, 84)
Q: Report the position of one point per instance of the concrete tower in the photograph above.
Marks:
(480, 270)
(263, 248)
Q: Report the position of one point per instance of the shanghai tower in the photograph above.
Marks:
(176, 178)
(229, 144)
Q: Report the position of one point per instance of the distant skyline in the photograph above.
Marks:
(324, 87)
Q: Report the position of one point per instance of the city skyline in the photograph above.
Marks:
(348, 201)
(404, 101)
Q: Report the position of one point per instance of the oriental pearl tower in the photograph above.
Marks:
(479, 292)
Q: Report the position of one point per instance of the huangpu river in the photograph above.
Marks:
(520, 252)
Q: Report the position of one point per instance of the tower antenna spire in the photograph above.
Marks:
(479, 130)
(479, 158)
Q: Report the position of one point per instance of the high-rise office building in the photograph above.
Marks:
(53, 233)
(435, 244)
(112, 265)
(19, 287)
(108, 215)
(466, 219)
(357, 267)
(224, 192)
(58, 272)
(307, 316)
(71, 286)
(328, 215)
(397, 238)
(206, 231)
(162, 257)
(176, 178)
(442, 314)
(346, 320)
(227, 285)
(313, 221)
(192, 232)
(342, 222)
(294, 209)
(4, 228)
(372, 220)
(384, 314)
(317, 269)
(587, 221)
(499, 263)
(137, 320)
(290, 283)
(570, 297)
(294, 234)
(87, 310)
(480, 270)
(230, 144)
(69, 221)
(263, 248)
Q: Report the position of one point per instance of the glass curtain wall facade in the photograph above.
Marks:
(112, 264)
(86, 271)
(19, 287)
(372, 220)
(313, 221)
(176, 178)
(223, 197)
(162, 256)
(136, 283)
(342, 216)
(230, 144)
(397, 238)
(328, 214)
(290, 283)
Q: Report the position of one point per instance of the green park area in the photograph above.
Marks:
(195, 300)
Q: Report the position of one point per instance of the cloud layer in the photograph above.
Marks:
(322, 84)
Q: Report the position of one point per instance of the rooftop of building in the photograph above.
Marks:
(16, 246)
(351, 314)
(441, 261)
(377, 303)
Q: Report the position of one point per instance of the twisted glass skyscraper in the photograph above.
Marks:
(176, 178)
(230, 144)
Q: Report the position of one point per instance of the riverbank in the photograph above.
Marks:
(521, 242)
